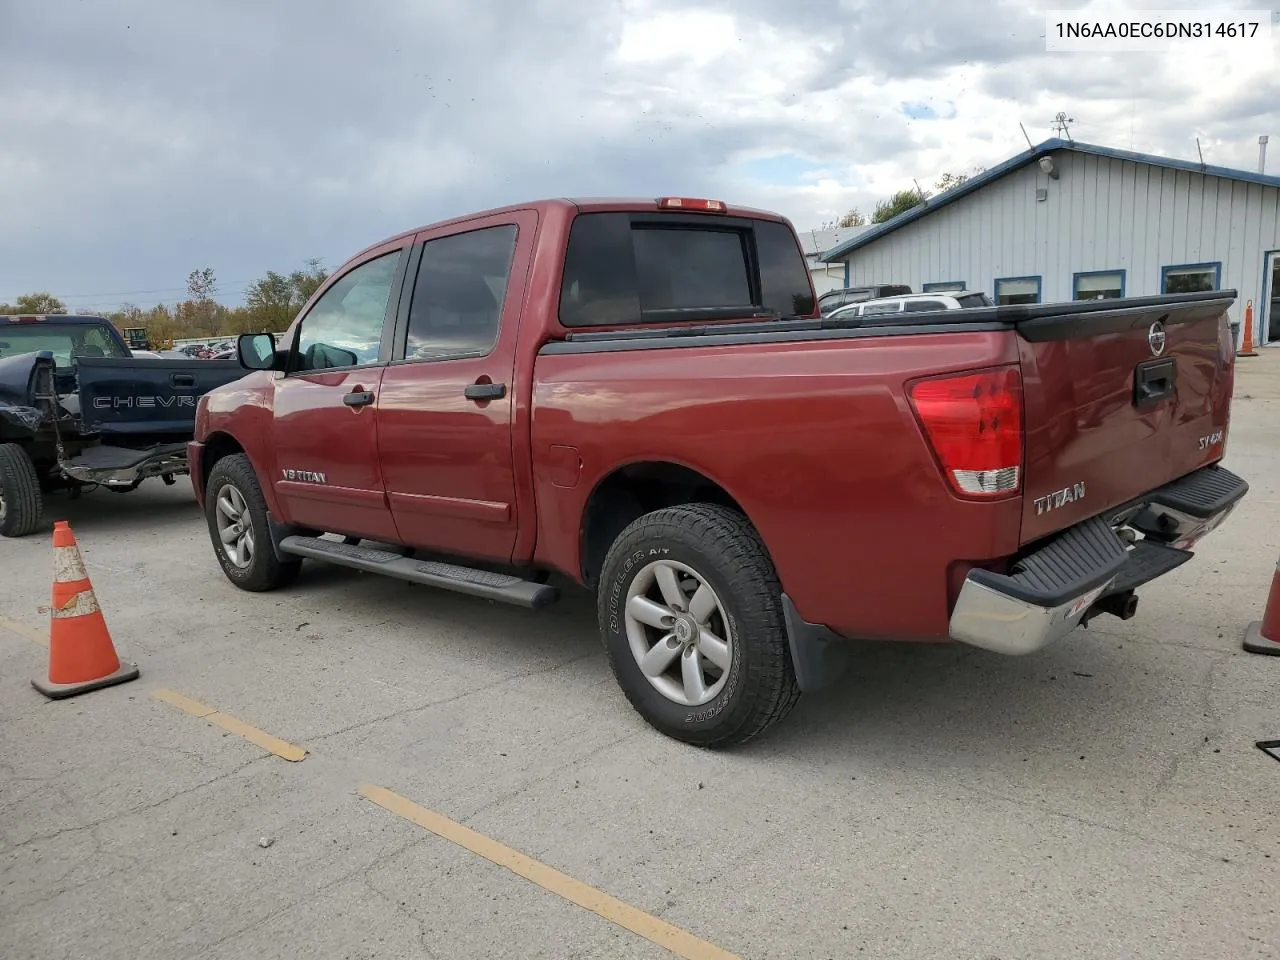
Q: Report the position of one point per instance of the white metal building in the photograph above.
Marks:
(826, 276)
(1070, 221)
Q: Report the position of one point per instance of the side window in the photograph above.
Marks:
(458, 294)
(923, 306)
(874, 309)
(344, 328)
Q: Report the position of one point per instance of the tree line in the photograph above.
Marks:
(900, 202)
(270, 304)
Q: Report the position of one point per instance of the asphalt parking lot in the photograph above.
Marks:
(1103, 799)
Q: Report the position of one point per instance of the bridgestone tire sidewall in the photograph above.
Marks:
(707, 722)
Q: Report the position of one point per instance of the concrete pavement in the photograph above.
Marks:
(1102, 799)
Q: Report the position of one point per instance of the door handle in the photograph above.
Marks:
(486, 391)
(358, 398)
(182, 380)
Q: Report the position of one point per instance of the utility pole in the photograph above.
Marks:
(1262, 154)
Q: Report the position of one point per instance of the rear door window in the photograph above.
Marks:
(623, 268)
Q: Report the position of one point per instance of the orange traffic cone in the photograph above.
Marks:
(81, 654)
(1263, 636)
(1246, 348)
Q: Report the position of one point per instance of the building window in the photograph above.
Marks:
(1098, 285)
(1190, 277)
(944, 286)
(1017, 290)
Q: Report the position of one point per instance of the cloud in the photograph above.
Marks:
(145, 140)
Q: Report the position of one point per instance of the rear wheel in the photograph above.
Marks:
(21, 502)
(691, 614)
(237, 515)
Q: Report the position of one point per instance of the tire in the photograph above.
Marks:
(21, 502)
(233, 481)
(718, 548)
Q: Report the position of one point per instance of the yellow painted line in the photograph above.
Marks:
(680, 942)
(281, 748)
(35, 636)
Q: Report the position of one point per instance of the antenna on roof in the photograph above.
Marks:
(1201, 152)
(1060, 124)
(923, 198)
(1024, 133)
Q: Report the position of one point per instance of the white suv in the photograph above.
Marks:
(914, 303)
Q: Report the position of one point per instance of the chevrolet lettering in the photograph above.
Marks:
(116, 403)
(917, 477)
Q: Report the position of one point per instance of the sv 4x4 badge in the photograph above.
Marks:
(1212, 440)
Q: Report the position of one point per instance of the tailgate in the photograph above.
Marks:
(1120, 399)
(141, 396)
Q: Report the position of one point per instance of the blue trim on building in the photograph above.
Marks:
(1075, 277)
(1030, 156)
(943, 286)
(1215, 265)
(995, 286)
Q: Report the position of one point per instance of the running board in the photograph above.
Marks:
(501, 587)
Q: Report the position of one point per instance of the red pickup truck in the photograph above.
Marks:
(642, 396)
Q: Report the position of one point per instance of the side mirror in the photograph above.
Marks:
(256, 351)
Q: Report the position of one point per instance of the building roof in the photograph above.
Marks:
(818, 242)
(1023, 159)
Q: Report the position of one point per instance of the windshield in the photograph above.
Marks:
(65, 340)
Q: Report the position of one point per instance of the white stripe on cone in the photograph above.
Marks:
(82, 604)
(68, 566)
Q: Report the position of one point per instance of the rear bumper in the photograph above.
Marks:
(1051, 589)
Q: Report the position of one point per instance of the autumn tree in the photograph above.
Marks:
(900, 202)
(200, 312)
(39, 303)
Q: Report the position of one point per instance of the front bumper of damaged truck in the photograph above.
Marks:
(1093, 567)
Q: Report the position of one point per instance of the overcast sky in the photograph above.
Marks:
(140, 140)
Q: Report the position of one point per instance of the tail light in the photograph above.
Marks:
(973, 421)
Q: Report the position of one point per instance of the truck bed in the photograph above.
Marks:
(812, 427)
(133, 401)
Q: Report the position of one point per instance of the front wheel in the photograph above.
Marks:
(691, 614)
(21, 502)
(237, 516)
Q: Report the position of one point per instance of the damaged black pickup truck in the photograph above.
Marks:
(78, 411)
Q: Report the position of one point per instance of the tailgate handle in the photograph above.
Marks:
(182, 379)
(1154, 380)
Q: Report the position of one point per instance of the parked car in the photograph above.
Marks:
(641, 397)
(835, 299)
(915, 303)
(78, 410)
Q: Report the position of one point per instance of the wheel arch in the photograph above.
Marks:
(635, 488)
(221, 444)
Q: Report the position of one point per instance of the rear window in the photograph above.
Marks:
(67, 341)
(625, 268)
(974, 300)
